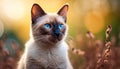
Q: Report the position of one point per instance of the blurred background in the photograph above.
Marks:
(84, 17)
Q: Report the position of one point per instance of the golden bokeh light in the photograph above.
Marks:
(17, 15)
(94, 21)
(13, 9)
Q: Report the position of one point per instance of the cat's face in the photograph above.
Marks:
(49, 28)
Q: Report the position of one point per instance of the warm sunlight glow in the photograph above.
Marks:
(14, 9)
(94, 22)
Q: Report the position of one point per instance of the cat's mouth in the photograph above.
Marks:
(56, 39)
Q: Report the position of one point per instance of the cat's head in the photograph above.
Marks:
(49, 28)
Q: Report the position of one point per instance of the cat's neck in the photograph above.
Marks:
(48, 46)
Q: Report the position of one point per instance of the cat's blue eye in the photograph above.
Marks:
(47, 26)
(61, 26)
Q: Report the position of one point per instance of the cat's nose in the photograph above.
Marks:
(57, 32)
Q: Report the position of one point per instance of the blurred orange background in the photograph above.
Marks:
(83, 16)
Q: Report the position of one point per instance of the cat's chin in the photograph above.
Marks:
(51, 42)
(56, 40)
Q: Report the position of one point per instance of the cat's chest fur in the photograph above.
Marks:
(40, 57)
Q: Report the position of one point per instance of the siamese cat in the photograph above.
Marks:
(47, 48)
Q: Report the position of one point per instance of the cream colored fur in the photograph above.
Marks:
(59, 53)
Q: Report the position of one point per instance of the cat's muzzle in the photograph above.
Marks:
(57, 37)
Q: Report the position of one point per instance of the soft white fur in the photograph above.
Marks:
(32, 50)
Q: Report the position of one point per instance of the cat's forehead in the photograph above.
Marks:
(50, 18)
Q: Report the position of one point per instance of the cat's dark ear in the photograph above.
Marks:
(36, 12)
(63, 11)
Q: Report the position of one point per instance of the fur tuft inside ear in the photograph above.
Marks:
(36, 12)
(63, 11)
